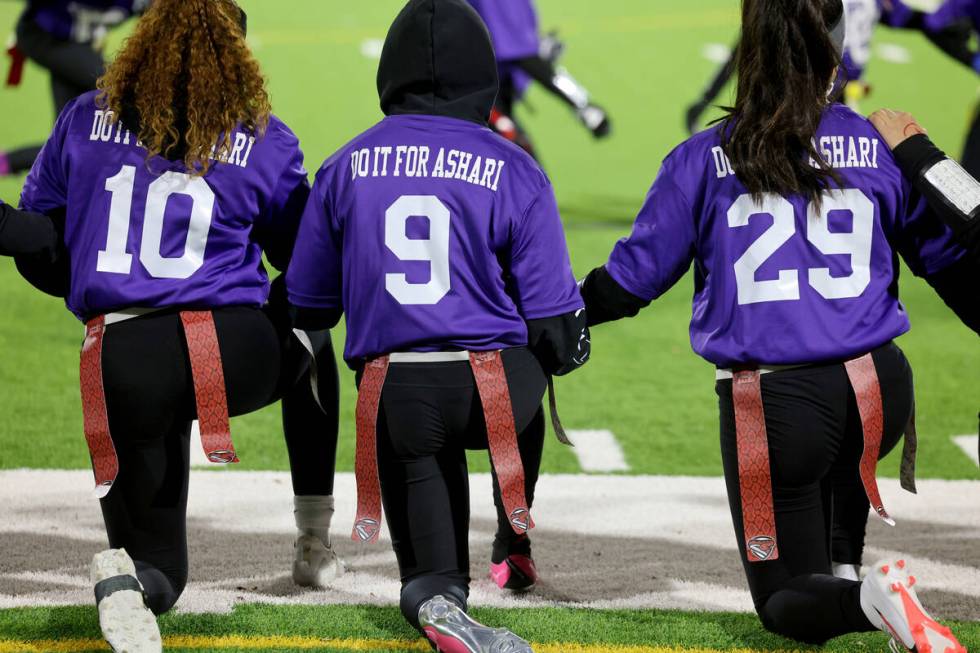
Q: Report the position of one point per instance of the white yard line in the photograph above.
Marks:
(602, 542)
(598, 451)
(969, 445)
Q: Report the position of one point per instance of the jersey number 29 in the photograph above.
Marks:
(786, 287)
(115, 259)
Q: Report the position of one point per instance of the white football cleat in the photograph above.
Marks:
(453, 631)
(889, 600)
(316, 564)
(127, 624)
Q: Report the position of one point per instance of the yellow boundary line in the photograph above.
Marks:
(309, 643)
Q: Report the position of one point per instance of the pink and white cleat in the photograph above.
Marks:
(517, 572)
(889, 600)
(453, 631)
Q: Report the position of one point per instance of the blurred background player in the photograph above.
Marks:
(159, 250)
(863, 17)
(442, 244)
(65, 37)
(812, 388)
(523, 57)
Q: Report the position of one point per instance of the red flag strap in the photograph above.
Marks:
(16, 71)
(367, 524)
(754, 473)
(491, 381)
(95, 417)
(209, 392)
(867, 390)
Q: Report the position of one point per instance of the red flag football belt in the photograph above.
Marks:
(209, 392)
(491, 382)
(16, 71)
(755, 475)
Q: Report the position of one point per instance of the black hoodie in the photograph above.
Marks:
(438, 60)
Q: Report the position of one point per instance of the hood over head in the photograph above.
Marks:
(438, 60)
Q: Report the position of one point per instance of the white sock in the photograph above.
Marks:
(846, 571)
(313, 515)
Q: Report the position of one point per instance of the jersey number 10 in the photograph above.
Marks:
(115, 259)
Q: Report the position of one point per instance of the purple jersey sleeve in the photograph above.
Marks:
(46, 187)
(542, 290)
(513, 26)
(315, 276)
(926, 244)
(276, 228)
(661, 247)
(951, 11)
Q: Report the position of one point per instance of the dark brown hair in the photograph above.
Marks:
(785, 61)
(187, 78)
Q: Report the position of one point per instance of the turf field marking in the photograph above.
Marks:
(371, 48)
(893, 53)
(968, 443)
(264, 643)
(598, 451)
(718, 53)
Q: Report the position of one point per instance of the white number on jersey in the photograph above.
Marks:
(434, 249)
(786, 287)
(116, 260)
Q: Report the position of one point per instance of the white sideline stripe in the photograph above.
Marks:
(677, 511)
(598, 451)
(969, 445)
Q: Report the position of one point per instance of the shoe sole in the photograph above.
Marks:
(452, 631)
(904, 617)
(127, 624)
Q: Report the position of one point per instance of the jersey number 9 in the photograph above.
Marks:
(434, 249)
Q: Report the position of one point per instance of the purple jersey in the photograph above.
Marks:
(432, 233)
(863, 16)
(952, 11)
(513, 27)
(783, 282)
(145, 234)
(83, 21)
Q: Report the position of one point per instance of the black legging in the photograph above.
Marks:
(150, 401)
(74, 68)
(430, 414)
(815, 445)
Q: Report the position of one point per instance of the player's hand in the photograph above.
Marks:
(895, 126)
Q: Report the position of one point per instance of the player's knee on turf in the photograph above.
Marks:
(789, 623)
(419, 590)
(161, 589)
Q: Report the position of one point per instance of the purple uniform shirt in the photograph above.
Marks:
(863, 16)
(951, 11)
(513, 27)
(783, 283)
(145, 234)
(83, 21)
(432, 234)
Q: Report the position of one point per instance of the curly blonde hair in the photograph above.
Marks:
(190, 76)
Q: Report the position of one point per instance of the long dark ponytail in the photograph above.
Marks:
(786, 62)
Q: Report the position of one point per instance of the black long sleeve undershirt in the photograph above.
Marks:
(26, 234)
(915, 156)
(606, 300)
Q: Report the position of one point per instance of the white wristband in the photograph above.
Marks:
(956, 185)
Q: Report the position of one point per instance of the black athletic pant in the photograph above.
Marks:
(74, 68)
(815, 445)
(150, 401)
(430, 414)
(971, 149)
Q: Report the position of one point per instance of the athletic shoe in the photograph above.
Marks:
(127, 624)
(596, 120)
(316, 564)
(453, 631)
(889, 600)
(517, 572)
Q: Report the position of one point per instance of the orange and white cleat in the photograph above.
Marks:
(889, 600)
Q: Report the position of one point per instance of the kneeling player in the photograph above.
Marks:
(442, 244)
(812, 387)
(162, 196)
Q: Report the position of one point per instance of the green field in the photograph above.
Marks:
(643, 60)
